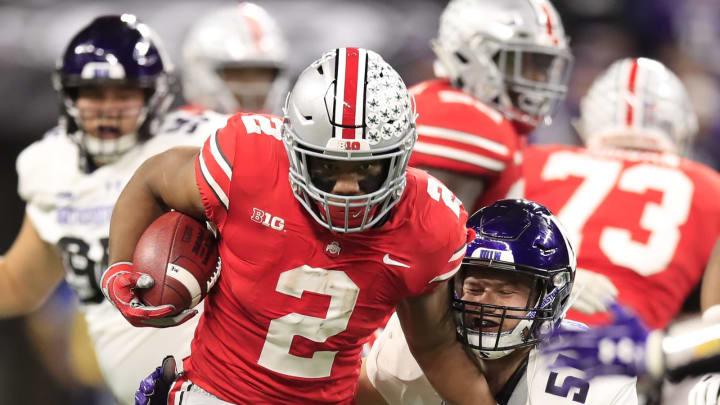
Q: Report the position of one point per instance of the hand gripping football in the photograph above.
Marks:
(181, 255)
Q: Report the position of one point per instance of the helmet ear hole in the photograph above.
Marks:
(461, 58)
(148, 93)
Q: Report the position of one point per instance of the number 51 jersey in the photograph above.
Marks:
(647, 221)
(295, 302)
(395, 374)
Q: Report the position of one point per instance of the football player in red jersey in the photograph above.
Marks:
(312, 267)
(501, 68)
(636, 211)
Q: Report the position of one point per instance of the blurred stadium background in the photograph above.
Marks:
(45, 358)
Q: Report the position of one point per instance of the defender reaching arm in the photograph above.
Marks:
(29, 272)
(430, 332)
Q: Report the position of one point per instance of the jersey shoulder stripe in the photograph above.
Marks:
(214, 167)
(458, 132)
(240, 142)
(444, 152)
(213, 174)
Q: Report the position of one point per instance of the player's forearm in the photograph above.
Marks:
(29, 272)
(454, 376)
(21, 295)
(430, 333)
(137, 207)
(163, 182)
(13, 299)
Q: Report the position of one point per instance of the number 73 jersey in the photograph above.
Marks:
(647, 221)
(295, 302)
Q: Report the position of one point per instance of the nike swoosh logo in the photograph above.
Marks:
(388, 260)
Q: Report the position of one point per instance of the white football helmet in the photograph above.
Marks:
(244, 37)
(637, 104)
(512, 54)
(349, 106)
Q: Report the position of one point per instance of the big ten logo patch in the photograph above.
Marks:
(349, 145)
(267, 219)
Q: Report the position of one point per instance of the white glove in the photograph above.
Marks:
(592, 292)
(706, 391)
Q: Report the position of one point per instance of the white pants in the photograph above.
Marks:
(185, 392)
(127, 354)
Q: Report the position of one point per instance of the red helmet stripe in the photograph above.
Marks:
(255, 27)
(630, 100)
(548, 22)
(350, 107)
(361, 89)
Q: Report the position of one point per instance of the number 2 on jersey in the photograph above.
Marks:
(600, 176)
(343, 294)
(439, 191)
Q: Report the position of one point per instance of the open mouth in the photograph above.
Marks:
(108, 132)
(485, 325)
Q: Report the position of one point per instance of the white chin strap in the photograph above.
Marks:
(104, 151)
(507, 338)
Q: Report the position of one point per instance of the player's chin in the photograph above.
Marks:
(354, 218)
(355, 215)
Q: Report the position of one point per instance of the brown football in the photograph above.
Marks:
(180, 253)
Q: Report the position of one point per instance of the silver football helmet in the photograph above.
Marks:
(242, 37)
(638, 104)
(512, 54)
(349, 106)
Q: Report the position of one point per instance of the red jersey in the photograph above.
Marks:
(458, 132)
(647, 221)
(295, 302)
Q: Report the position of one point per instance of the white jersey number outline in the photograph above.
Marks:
(438, 191)
(600, 176)
(343, 294)
(81, 272)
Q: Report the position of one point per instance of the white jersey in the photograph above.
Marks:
(393, 371)
(71, 210)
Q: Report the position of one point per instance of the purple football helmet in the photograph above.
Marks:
(114, 50)
(520, 239)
